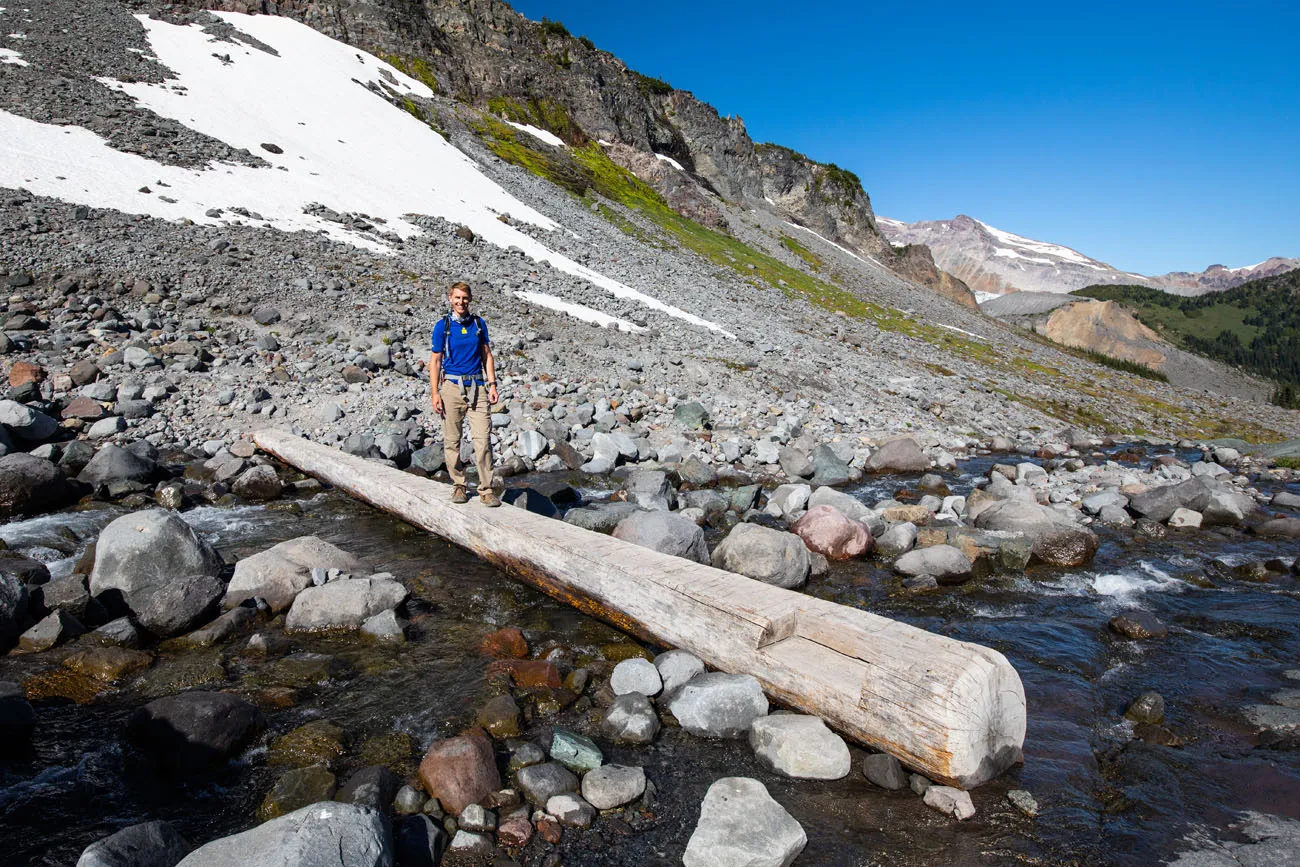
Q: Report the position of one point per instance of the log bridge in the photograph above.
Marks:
(950, 710)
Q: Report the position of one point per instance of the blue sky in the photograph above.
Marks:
(1153, 136)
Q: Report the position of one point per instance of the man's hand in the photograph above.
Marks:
(493, 397)
(437, 405)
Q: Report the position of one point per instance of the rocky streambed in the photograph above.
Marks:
(1159, 654)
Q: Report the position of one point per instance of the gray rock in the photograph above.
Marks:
(571, 811)
(374, 787)
(540, 783)
(25, 422)
(1159, 504)
(788, 500)
(279, 573)
(795, 463)
(740, 824)
(799, 746)
(258, 483)
(193, 731)
(665, 532)
(651, 489)
(149, 844)
(319, 835)
(106, 427)
(612, 786)
(30, 485)
(676, 668)
(531, 444)
(947, 564)
(849, 506)
(691, 415)
(885, 771)
(385, 627)
(949, 801)
(1017, 516)
(343, 604)
(635, 675)
(176, 606)
(120, 632)
(898, 456)
(1285, 500)
(631, 719)
(1149, 707)
(764, 554)
(601, 517)
(719, 705)
(115, 464)
(1023, 801)
(828, 467)
(896, 540)
(138, 555)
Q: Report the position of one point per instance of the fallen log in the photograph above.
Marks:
(948, 709)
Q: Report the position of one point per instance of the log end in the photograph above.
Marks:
(986, 719)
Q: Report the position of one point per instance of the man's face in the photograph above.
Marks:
(459, 301)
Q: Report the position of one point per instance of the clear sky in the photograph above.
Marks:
(1153, 136)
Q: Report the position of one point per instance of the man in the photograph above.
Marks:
(462, 376)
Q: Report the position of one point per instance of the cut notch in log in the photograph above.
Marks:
(950, 710)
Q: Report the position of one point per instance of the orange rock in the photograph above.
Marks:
(460, 771)
(24, 372)
(549, 830)
(528, 672)
(508, 643)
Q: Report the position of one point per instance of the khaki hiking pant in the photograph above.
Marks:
(457, 405)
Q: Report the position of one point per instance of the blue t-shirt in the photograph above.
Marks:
(463, 356)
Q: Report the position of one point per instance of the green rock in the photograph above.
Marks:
(691, 415)
(501, 717)
(623, 650)
(576, 752)
(297, 789)
(302, 670)
(319, 742)
(393, 750)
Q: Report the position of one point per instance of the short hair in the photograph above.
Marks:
(460, 285)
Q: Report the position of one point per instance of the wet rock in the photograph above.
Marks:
(1023, 801)
(138, 558)
(343, 604)
(149, 844)
(898, 456)
(1138, 625)
(17, 718)
(320, 835)
(508, 643)
(194, 731)
(666, 532)
(571, 811)
(176, 606)
(827, 531)
(527, 753)
(676, 668)
(631, 719)
(635, 675)
(947, 564)
(719, 705)
(374, 787)
(13, 608)
(740, 824)
(1149, 707)
(885, 771)
(50, 631)
(501, 717)
(385, 627)
(799, 746)
(539, 783)
(234, 622)
(296, 789)
(410, 800)
(460, 771)
(1158, 735)
(764, 554)
(319, 742)
(1064, 547)
(31, 486)
(418, 842)
(278, 574)
(949, 801)
(576, 752)
(1272, 717)
(612, 786)
(1288, 527)
(108, 664)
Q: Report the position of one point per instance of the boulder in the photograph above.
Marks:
(297, 788)
(149, 844)
(539, 783)
(193, 731)
(676, 668)
(13, 608)
(600, 517)
(460, 771)
(849, 505)
(343, 604)
(799, 746)
(319, 835)
(740, 824)
(650, 489)
(571, 811)
(829, 532)
(795, 463)
(611, 786)
(631, 719)
(25, 422)
(30, 485)
(258, 483)
(666, 532)
(1064, 547)
(1159, 504)
(764, 554)
(788, 500)
(901, 455)
(1017, 516)
(1138, 625)
(1288, 527)
(947, 564)
(635, 675)
(175, 607)
(278, 574)
(696, 473)
(898, 539)
(828, 467)
(139, 555)
(719, 705)
(113, 463)
(51, 631)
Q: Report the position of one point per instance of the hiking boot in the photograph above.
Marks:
(458, 494)
(489, 499)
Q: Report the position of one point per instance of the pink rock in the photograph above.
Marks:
(460, 771)
(515, 832)
(828, 531)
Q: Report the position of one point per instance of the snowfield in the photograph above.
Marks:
(340, 144)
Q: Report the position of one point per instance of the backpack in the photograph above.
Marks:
(446, 336)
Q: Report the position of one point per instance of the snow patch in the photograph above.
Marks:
(1003, 252)
(846, 251)
(13, 58)
(979, 337)
(672, 162)
(542, 135)
(577, 311)
(1055, 250)
(17, 35)
(342, 145)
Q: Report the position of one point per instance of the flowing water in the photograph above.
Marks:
(1105, 796)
